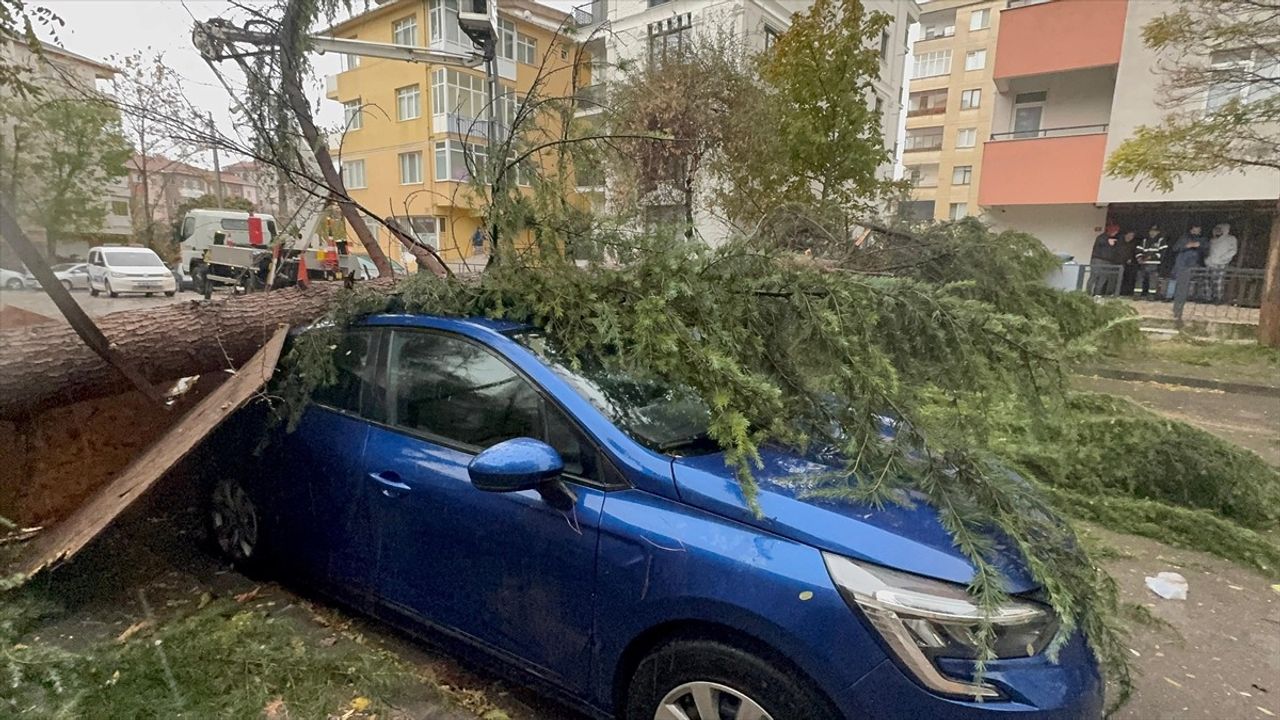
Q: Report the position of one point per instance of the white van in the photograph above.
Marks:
(115, 269)
(202, 229)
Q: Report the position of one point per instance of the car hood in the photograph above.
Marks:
(140, 270)
(907, 537)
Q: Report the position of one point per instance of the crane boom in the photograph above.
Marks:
(216, 39)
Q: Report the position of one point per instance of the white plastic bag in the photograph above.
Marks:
(1168, 585)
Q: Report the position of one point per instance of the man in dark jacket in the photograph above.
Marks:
(1107, 252)
(1189, 253)
(1151, 252)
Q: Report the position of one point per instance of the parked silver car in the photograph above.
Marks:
(73, 276)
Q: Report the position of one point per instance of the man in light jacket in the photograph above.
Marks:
(1222, 250)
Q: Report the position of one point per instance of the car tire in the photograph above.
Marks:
(13, 284)
(171, 293)
(110, 292)
(93, 291)
(237, 527)
(67, 284)
(683, 673)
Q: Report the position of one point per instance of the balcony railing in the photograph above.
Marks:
(1065, 131)
(923, 143)
(926, 111)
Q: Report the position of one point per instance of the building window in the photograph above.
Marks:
(958, 210)
(410, 167)
(353, 174)
(961, 174)
(770, 37)
(350, 62)
(970, 99)
(1244, 75)
(975, 60)
(464, 96)
(929, 102)
(923, 139)
(938, 30)
(119, 207)
(405, 31)
(506, 39)
(423, 228)
(879, 105)
(931, 64)
(668, 38)
(966, 137)
(979, 19)
(884, 44)
(408, 103)
(352, 118)
(443, 15)
(656, 3)
(923, 176)
(456, 159)
(526, 49)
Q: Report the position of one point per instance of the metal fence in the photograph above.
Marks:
(1099, 279)
(1231, 294)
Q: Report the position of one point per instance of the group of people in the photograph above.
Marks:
(1154, 262)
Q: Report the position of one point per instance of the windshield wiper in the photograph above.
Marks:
(701, 439)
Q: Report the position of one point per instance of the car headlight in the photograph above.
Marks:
(118, 275)
(922, 619)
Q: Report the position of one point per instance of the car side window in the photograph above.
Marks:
(354, 360)
(458, 391)
(578, 454)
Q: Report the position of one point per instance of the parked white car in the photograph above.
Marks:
(116, 269)
(72, 276)
(10, 280)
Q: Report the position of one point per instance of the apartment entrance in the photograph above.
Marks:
(1250, 222)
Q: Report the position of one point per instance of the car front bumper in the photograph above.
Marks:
(1035, 689)
(143, 284)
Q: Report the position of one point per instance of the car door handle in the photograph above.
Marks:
(389, 482)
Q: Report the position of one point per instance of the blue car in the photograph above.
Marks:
(465, 480)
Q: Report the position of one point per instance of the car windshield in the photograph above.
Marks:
(133, 258)
(663, 417)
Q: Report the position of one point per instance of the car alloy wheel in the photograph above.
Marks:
(708, 701)
(14, 284)
(67, 284)
(234, 518)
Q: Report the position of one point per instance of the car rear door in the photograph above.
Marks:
(323, 504)
(503, 568)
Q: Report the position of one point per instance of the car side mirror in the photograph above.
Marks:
(516, 464)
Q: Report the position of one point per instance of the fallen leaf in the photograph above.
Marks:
(205, 599)
(360, 704)
(132, 630)
(1265, 711)
(328, 642)
(1173, 682)
(245, 597)
(275, 710)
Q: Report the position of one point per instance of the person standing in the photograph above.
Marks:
(1222, 250)
(1128, 256)
(1106, 255)
(1151, 252)
(1189, 254)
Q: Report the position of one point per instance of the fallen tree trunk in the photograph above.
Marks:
(44, 366)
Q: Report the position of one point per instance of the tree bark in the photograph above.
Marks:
(1269, 314)
(43, 366)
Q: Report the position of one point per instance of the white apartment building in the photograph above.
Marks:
(619, 32)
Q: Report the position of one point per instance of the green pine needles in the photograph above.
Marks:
(949, 332)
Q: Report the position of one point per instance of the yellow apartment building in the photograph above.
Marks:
(949, 108)
(411, 128)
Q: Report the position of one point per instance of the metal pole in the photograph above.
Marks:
(491, 67)
(217, 169)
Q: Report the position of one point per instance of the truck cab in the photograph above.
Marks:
(203, 229)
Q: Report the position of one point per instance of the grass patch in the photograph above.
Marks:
(1215, 354)
(222, 661)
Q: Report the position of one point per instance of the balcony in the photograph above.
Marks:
(590, 99)
(1050, 37)
(331, 87)
(1050, 166)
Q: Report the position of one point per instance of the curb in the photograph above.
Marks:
(1204, 383)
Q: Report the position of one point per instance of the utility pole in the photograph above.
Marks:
(217, 169)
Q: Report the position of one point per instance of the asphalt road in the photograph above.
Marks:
(38, 302)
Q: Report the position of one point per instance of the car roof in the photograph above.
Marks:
(441, 322)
